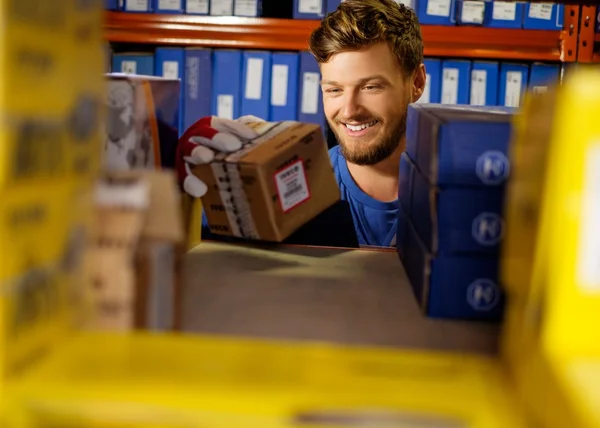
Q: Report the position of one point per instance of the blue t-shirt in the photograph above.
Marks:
(374, 221)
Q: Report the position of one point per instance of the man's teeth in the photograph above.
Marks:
(357, 128)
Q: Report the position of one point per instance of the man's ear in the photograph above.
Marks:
(418, 83)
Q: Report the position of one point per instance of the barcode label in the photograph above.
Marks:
(170, 70)
(129, 67)
(478, 87)
(541, 11)
(450, 86)
(472, 12)
(438, 8)
(292, 186)
(504, 11)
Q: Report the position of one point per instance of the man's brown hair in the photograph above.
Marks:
(357, 24)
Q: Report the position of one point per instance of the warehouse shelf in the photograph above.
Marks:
(287, 34)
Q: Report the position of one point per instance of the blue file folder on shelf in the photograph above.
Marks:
(256, 83)
(436, 12)
(144, 6)
(432, 92)
(284, 86)
(133, 63)
(311, 98)
(309, 9)
(484, 83)
(170, 64)
(513, 83)
(542, 76)
(227, 78)
(169, 6)
(197, 7)
(504, 14)
(456, 77)
(543, 16)
(197, 85)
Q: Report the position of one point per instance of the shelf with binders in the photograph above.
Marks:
(292, 34)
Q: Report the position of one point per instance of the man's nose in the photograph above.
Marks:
(352, 107)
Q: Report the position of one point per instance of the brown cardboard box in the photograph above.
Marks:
(133, 261)
(272, 186)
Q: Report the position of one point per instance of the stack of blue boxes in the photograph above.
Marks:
(450, 227)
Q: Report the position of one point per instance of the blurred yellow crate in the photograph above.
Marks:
(551, 338)
(183, 381)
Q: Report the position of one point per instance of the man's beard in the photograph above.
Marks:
(377, 151)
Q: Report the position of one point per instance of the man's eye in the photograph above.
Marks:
(372, 87)
(332, 90)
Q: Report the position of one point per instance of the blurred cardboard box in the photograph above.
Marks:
(133, 261)
(142, 122)
(271, 187)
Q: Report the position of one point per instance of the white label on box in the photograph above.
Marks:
(512, 97)
(254, 75)
(472, 12)
(221, 7)
(192, 77)
(478, 87)
(588, 255)
(504, 11)
(450, 86)
(541, 10)
(170, 70)
(225, 106)
(279, 84)
(197, 6)
(426, 97)
(438, 7)
(310, 93)
(137, 5)
(129, 67)
(246, 8)
(539, 89)
(169, 4)
(292, 187)
(310, 6)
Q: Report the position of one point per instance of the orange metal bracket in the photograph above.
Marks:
(569, 34)
(587, 34)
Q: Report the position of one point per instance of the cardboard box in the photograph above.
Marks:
(134, 256)
(143, 121)
(272, 186)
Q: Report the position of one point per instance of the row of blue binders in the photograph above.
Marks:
(485, 83)
(487, 13)
(231, 83)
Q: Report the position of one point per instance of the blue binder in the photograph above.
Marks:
(310, 107)
(543, 16)
(169, 6)
(436, 12)
(484, 83)
(504, 14)
(170, 64)
(513, 83)
(197, 7)
(456, 77)
(142, 6)
(256, 83)
(471, 12)
(197, 87)
(542, 76)
(433, 83)
(284, 86)
(332, 5)
(227, 79)
(311, 9)
(133, 63)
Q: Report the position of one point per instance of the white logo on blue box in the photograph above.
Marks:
(488, 229)
(483, 295)
(492, 167)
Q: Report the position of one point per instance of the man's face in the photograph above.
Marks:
(366, 96)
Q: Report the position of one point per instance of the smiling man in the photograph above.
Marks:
(371, 58)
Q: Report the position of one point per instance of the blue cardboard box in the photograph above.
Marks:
(460, 146)
(436, 12)
(456, 77)
(513, 84)
(453, 221)
(169, 6)
(133, 63)
(284, 86)
(197, 85)
(504, 14)
(471, 12)
(142, 6)
(455, 287)
(256, 84)
(197, 7)
(227, 88)
(541, 76)
(484, 83)
(433, 83)
(309, 9)
(543, 16)
(221, 7)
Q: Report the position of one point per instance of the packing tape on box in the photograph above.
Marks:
(231, 187)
